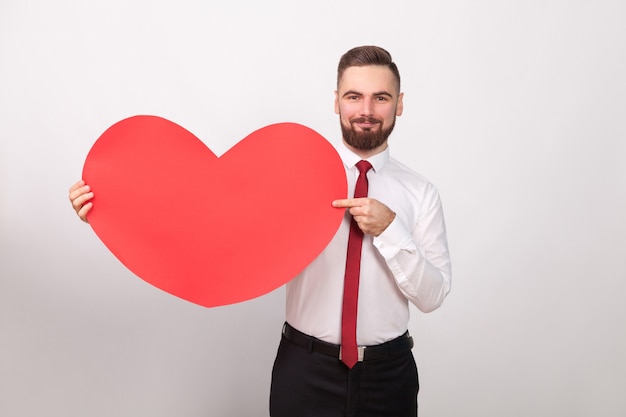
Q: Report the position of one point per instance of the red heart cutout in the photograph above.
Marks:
(211, 230)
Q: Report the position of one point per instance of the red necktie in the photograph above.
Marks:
(349, 352)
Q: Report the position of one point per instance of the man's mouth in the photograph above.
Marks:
(366, 123)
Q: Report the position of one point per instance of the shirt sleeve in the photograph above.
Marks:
(418, 257)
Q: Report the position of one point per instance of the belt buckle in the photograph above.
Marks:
(360, 351)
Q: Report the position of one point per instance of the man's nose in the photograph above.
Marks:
(366, 108)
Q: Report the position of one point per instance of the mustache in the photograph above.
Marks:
(366, 120)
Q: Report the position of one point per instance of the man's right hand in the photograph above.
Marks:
(80, 194)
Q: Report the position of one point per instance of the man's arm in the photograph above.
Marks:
(418, 259)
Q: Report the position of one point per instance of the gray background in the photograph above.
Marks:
(514, 109)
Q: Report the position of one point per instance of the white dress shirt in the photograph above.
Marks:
(409, 261)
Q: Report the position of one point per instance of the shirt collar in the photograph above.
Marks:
(350, 159)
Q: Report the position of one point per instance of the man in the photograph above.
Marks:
(404, 257)
(396, 225)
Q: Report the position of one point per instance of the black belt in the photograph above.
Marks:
(400, 344)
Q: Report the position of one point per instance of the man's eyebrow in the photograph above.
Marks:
(351, 93)
(383, 93)
(377, 94)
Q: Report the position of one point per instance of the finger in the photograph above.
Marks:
(356, 212)
(349, 202)
(81, 200)
(341, 203)
(84, 210)
(77, 186)
(78, 192)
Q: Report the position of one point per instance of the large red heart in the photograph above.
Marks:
(211, 230)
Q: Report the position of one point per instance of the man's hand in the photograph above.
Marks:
(371, 215)
(80, 194)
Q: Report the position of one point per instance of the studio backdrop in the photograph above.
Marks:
(515, 110)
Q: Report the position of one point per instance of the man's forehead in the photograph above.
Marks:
(368, 79)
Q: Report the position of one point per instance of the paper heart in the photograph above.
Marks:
(211, 230)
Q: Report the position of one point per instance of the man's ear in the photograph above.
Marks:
(336, 102)
(400, 105)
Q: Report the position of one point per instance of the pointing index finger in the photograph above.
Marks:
(348, 202)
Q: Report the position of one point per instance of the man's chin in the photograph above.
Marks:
(357, 137)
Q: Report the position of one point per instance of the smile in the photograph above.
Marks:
(366, 123)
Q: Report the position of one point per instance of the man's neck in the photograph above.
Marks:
(366, 153)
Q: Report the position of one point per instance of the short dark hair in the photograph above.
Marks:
(367, 55)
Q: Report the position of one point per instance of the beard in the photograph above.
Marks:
(369, 139)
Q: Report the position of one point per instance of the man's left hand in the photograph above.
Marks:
(371, 215)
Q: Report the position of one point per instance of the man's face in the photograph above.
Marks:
(367, 102)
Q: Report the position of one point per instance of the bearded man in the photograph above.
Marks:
(404, 259)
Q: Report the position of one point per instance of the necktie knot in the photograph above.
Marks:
(363, 166)
(361, 184)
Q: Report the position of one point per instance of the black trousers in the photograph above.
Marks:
(311, 384)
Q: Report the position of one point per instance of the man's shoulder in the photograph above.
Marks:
(407, 174)
(415, 191)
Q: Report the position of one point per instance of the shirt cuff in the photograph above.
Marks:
(394, 239)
